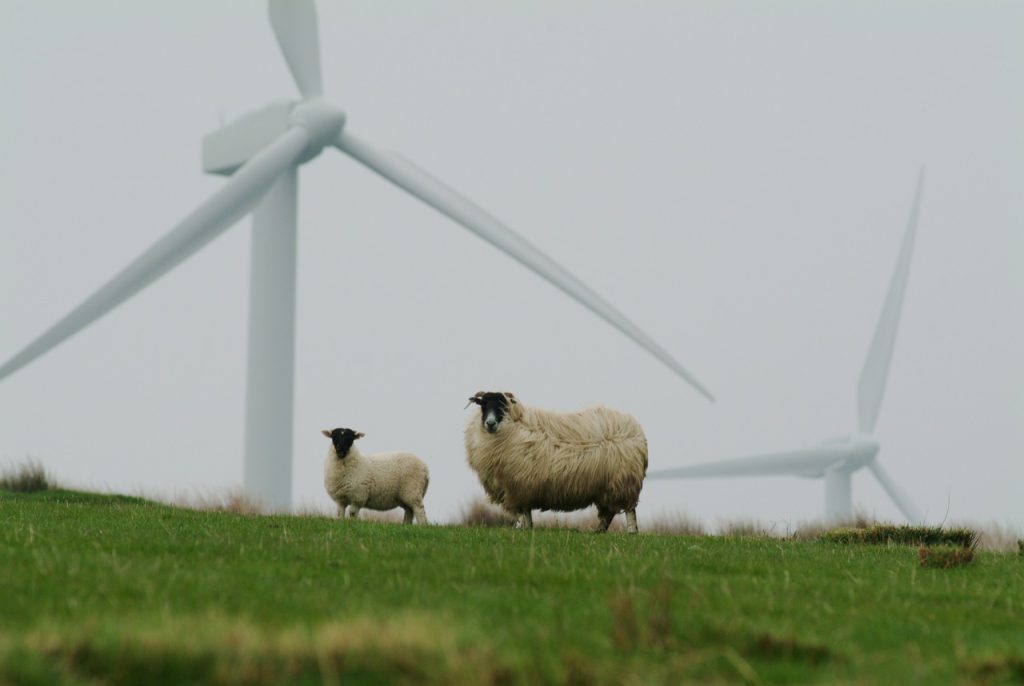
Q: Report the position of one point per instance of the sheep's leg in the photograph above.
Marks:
(408, 515)
(341, 510)
(353, 511)
(421, 514)
(604, 520)
(525, 520)
(631, 521)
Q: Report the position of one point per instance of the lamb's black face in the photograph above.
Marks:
(493, 408)
(342, 440)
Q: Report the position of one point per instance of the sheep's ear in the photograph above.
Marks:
(359, 434)
(326, 432)
(511, 397)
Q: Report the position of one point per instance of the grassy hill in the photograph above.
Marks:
(118, 590)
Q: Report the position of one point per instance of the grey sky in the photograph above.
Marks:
(734, 176)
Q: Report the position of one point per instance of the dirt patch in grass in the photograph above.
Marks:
(771, 646)
(944, 557)
(996, 670)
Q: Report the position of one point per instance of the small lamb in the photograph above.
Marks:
(378, 482)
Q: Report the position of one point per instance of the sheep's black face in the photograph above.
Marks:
(342, 440)
(493, 408)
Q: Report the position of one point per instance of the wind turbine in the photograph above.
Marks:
(836, 460)
(261, 153)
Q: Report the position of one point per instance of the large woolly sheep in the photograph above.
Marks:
(528, 459)
(382, 481)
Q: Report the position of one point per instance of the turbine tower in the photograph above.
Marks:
(261, 153)
(836, 460)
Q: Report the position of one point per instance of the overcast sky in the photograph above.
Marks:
(734, 176)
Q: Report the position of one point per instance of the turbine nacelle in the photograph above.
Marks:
(231, 146)
(858, 452)
(321, 120)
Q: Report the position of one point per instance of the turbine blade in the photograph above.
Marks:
(805, 462)
(871, 388)
(901, 499)
(444, 199)
(294, 24)
(206, 222)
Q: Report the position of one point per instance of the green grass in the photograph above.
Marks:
(104, 589)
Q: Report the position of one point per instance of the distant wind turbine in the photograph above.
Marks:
(261, 152)
(836, 460)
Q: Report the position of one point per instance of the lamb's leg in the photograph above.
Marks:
(353, 511)
(408, 515)
(631, 521)
(421, 514)
(604, 520)
(341, 510)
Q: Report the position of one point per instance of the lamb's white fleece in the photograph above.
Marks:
(382, 481)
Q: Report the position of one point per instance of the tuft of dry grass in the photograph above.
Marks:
(944, 557)
(306, 509)
(888, 534)
(812, 531)
(232, 501)
(744, 528)
(27, 477)
(677, 524)
(994, 537)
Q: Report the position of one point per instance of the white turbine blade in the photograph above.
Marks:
(806, 462)
(206, 222)
(871, 388)
(294, 24)
(897, 495)
(419, 183)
